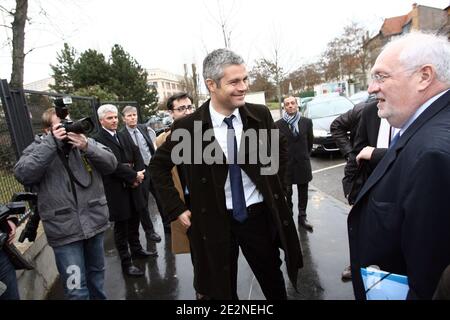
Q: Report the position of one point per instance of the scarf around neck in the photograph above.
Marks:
(292, 120)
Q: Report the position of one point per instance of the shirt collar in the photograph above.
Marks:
(217, 118)
(109, 131)
(131, 130)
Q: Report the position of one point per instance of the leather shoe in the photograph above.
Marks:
(153, 236)
(346, 274)
(142, 254)
(132, 271)
(305, 224)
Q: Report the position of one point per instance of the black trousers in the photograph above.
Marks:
(259, 243)
(302, 190)
(146, 221)
(126, 238)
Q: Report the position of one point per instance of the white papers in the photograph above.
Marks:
(382, 285)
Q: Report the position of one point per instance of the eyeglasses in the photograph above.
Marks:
(184, 108)
(379, 77)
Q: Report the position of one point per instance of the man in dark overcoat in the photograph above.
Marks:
(298, 131)
(400, 221)
(123, 190)
(234, 202)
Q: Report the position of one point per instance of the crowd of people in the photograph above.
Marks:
(396, 179)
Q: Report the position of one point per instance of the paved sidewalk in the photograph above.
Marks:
(169, 277)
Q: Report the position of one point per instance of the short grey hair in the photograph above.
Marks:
(128, 109)
(216, 61)
(421, 48)
(104, 109)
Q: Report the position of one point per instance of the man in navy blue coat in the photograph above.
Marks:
(401, 219)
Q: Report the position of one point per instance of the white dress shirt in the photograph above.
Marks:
(252, 195)
(384, 134)
(110, 131)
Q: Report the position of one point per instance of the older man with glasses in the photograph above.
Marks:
(400, 219)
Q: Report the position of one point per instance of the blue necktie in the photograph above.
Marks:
(237, 188)
(394, 140)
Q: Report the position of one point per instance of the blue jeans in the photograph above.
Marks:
(8, 277)
(81, 266)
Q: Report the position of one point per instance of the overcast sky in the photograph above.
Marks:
(168, 33)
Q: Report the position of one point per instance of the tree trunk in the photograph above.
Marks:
(195, 83)
(18, 43)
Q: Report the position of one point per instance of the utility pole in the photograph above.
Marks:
(278, 82)
(195, 84)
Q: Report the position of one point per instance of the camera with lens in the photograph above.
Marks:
(17, 206)
(11, 208)
(84, 126)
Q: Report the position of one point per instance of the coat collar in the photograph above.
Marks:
(109, 137)
(283, 125)
(204, 115)
(391, 155)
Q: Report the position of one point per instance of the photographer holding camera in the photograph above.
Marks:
(65, 169)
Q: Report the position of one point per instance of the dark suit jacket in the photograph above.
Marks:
(366, 135)
(143, 129)
(122, 199)
(345, 123)
(209, 234)
(299, 147)
(401, 218)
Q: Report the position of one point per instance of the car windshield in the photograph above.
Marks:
(327, 108)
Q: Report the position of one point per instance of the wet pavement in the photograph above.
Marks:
(169, 277)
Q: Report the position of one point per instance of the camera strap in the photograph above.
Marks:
(65, 160)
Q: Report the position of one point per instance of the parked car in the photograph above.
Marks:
(322, 111)
(358, 97)
(363, 96)
(159, 122)
(303, 102)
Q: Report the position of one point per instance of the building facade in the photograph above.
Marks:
(421, 18)
(40, 85)
(166, 83)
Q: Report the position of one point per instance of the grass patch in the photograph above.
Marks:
(273, 105)
(8, 186)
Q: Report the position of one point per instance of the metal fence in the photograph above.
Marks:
(20, 120)
(37, 102)
(8, 184)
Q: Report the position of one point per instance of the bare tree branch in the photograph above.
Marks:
(2, 8)
(40, 47)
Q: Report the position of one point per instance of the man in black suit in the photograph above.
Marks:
(400, 221)
(141, 138)
(343, 129)
(371, 137)
(371, 140)
(123, 190)
(234, 202)
(298, 131)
